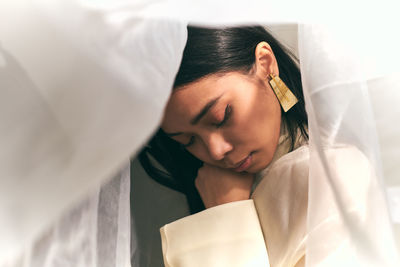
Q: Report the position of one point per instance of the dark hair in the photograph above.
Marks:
(209, 51)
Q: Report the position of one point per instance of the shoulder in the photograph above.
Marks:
(348, 168)
(340, 161)
(342, 155)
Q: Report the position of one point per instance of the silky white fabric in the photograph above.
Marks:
(78, 77)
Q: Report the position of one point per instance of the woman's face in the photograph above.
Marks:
(229, 121)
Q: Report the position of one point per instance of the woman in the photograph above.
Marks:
(227, 122)
(236, 47)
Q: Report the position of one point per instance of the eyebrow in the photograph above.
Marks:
(201, 114)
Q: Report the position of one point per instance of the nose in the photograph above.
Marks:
(218, 146)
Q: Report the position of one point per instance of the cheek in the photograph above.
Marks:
(200, 152)
(270, 124)
(261, 122)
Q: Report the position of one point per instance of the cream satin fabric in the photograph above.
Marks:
(226, 235)
(215, 236)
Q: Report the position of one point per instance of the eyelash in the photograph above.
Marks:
(228, 112)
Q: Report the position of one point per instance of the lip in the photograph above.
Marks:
(244, 164)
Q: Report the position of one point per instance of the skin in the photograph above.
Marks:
(252, 126)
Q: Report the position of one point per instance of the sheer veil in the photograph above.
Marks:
(83, 85)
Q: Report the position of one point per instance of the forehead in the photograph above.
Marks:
(187, 101)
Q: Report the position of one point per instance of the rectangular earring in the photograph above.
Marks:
(286, 98)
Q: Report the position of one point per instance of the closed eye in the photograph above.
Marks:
(191, 141)
(228, 111)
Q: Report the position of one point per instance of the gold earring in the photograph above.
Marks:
(286, 98)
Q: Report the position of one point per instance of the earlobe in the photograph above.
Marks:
(265, 61)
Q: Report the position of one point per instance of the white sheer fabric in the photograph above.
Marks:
(83, 85)
(340, 112)
(96, 232)
(76, 83)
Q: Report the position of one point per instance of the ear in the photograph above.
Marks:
(265, 61)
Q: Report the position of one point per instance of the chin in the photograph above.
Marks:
(255, 169)
(259, 167)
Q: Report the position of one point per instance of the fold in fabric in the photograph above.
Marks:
(225, 235)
